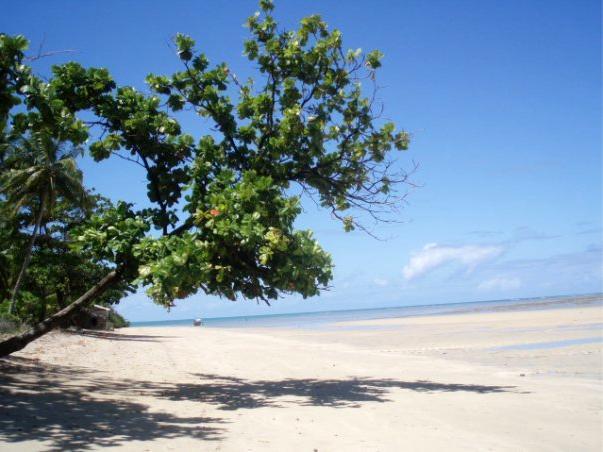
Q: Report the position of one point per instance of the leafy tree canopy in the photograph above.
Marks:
(57, 274)
(224, 200)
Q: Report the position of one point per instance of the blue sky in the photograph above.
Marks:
(503, 100)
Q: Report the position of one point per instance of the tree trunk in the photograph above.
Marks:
(27, 258)
(18, 342)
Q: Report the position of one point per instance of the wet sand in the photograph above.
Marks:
(518, 380)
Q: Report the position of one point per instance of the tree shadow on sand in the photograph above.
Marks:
(119, 337)
(235, 393)
(74, 408)
(35, 406)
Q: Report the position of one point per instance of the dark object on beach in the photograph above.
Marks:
(197, 322)
(94, 317)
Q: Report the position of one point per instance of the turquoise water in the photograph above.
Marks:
(324, 318)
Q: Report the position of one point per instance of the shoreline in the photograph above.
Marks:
(523, 304)
(422, 383)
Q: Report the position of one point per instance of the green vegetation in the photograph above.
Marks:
(40, 172)
(223, 204)
(117, 320)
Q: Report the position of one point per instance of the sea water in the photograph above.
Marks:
(328, 318)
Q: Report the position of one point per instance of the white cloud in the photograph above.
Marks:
(433, 256)
(500, 283)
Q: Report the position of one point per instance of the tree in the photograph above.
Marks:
(225, 202)
(45, 170)
(56, 272)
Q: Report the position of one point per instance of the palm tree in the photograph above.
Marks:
(46, 170)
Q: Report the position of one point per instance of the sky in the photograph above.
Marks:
(503, 101)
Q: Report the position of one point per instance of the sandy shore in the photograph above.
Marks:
(464, 382)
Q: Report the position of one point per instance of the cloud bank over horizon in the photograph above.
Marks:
(433, 256)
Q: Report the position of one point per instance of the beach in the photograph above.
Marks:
(502, 380)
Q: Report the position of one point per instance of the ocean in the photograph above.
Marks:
(322, 319)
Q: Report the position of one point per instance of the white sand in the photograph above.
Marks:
(424, 383)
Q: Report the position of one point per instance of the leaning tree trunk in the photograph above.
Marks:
(32, 241)
(16, 343)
